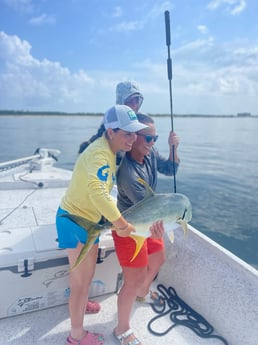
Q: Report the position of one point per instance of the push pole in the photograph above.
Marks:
(169, 71)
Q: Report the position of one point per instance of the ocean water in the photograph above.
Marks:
(218, 169)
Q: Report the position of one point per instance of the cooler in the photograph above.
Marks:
(34, 273)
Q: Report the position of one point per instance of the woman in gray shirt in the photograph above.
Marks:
(142, 161)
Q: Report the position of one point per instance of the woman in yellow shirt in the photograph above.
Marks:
(88, 195)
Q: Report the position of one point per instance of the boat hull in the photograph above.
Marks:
(215, 283)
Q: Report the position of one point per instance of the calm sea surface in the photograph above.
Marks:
(218, 170)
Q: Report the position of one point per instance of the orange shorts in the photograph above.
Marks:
(125, 247)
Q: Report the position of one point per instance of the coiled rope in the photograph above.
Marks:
(180, 314)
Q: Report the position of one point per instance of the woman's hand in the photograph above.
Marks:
(173, 140)
(157, 229)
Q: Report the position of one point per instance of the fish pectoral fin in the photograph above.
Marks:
(171, 236)
(183, 225)
(139, 240)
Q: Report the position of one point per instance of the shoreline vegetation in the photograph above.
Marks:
(58, 113)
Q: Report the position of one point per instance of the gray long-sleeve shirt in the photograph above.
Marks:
(130, 191)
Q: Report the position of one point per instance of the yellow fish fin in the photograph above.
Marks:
(93, 231)
(183, 224)
(148, 189)
(171, 236)
(92, 236)
(139, 240)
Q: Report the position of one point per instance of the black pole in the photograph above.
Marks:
(169, 70)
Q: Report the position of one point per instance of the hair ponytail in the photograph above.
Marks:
(144, 118)
(85, 144)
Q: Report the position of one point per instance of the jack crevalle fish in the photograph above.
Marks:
(170, 207)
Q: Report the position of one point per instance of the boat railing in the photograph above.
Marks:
(45, 156)
(17, 162)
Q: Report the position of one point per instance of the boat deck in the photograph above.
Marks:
(51, 326)
(214, 282)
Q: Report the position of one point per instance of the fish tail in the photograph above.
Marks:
(139, 241)
(92, 236)
(92, 229)
(85, 249)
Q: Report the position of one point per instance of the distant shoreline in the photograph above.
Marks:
(53, 113)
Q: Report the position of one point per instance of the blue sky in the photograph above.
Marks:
(68, 55)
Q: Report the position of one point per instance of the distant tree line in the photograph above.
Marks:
(61, 113)
(28, 112)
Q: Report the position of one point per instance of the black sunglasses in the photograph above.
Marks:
(149, 138)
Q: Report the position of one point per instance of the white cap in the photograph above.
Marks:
(125, 89)
(122, 117)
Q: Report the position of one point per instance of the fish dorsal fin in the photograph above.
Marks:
(149, 193)
(149, 190)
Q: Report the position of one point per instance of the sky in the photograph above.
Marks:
(68, 55)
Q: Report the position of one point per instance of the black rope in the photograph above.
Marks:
(180, 314)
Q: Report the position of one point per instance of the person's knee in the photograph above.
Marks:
(136, 279)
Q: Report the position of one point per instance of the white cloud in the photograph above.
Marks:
(27, 7)
(213, 79)
(239, 8)
(42, 19)
(27, 82)
(13, 49)
(159, 8)
(216, 68)
(127, 26)
(24, 6)
(233, 7)
(203, 29)
(134, 25)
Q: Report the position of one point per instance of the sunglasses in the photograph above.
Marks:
(134, 99)
(149, 138)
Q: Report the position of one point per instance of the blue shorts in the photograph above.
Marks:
(68, 232)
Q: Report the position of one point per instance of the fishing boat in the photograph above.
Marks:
(210, 295)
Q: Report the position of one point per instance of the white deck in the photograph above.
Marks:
(51, 326)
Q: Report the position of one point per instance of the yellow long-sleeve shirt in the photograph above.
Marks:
(88, 194)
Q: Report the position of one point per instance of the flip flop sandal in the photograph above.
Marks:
(92, 307)
(121, 338)
(88, 339)
(152, 298)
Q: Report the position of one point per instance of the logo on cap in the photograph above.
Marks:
(132, 115)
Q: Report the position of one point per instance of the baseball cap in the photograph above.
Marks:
(125, 89)
(122, 117)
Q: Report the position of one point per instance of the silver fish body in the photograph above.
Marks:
(169, 207)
